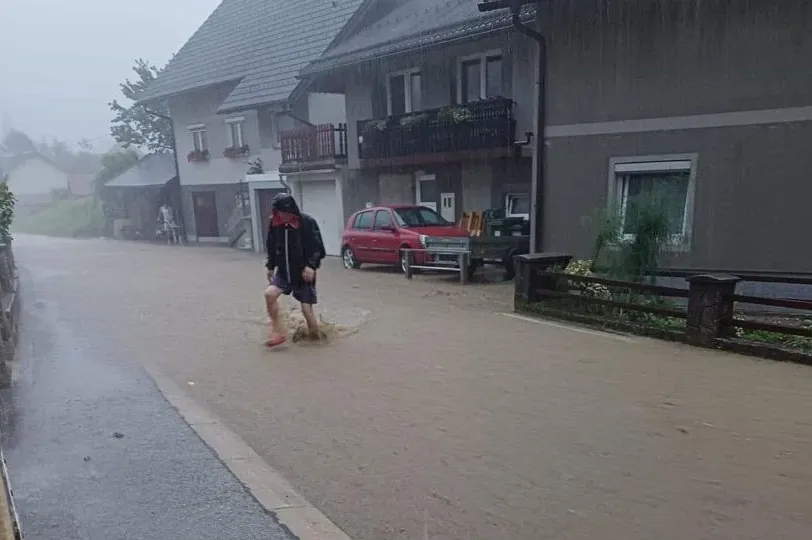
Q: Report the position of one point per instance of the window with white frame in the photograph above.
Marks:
(670, 181)
(517, 205)
(479, 76)
(235, 136)
(199, 139)
(404, 92)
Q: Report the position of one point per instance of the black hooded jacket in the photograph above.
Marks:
(291, 249)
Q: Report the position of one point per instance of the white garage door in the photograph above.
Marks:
(320, 200)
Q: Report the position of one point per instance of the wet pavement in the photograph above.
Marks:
(439, 417)
(95, 452)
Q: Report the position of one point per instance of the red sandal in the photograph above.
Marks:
(275, 341)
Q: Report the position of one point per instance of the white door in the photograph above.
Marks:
(448, 207)
(319, 199)
(426, 191)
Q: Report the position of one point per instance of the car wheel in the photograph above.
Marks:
(348, 257)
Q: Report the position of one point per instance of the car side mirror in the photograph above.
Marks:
(388, 228)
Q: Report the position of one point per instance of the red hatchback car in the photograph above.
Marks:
(378, 235)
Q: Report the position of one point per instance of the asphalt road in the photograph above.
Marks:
(440, 417)
(95, 452)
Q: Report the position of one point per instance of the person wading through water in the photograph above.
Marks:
(295, 250)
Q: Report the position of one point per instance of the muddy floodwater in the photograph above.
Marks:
(441, 417)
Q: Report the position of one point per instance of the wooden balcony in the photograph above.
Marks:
(479, 130)
(313, 147)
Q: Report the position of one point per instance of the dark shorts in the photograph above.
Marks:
(306, 294)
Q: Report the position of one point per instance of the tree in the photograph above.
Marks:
(72, 161)
(132, 124)
(18, 142)
(113, 164)
(57, 150)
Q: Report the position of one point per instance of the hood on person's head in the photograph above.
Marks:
(284, 202)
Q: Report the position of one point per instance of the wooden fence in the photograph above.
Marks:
(713, 313)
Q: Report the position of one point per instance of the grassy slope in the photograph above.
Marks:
(74, 217)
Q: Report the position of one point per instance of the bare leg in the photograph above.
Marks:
(272, 293)
(311, 320)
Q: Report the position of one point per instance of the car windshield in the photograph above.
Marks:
(418, 216)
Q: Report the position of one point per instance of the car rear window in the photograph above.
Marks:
(382, 218)
(363, 221)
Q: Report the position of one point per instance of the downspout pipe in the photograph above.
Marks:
(168, 118)
(539, 124)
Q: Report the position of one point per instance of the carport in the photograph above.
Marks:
(135, 195)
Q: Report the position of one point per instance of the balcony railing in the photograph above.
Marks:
(481, 125)
(314, 143)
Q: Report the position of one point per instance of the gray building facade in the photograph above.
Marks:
(710, 101)
(722, 88)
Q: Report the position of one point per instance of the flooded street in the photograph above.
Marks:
(440, 416)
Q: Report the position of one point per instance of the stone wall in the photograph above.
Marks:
(9, 312)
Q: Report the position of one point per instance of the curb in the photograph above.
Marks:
(9, 520)
(270, 489)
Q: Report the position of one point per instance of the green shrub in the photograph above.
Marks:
(7, 202)
(68, 218)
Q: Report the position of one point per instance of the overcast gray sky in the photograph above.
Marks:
(61, 60)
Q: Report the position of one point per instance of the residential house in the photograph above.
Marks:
(438, 98)
(710, 102)
(33, 177)
(231, 91)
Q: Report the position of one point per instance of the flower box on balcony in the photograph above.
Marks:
(236, 151)
(197, 156)
(471, 127)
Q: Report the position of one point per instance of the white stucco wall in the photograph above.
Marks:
(259, 132)
(200, 107)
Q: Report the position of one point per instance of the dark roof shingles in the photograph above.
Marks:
(260, 43)
(413, 25)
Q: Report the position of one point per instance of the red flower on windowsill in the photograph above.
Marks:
(236, 151)
(197, 156)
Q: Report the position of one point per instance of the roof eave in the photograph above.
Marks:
(157, 98)
(250, 106)
(312, 71)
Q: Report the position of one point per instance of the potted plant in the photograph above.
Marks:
(197, 156)
(236, 151)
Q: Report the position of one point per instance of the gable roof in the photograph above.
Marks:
(415, 25)
(151, 170)
(9, 163)
(261, 44)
